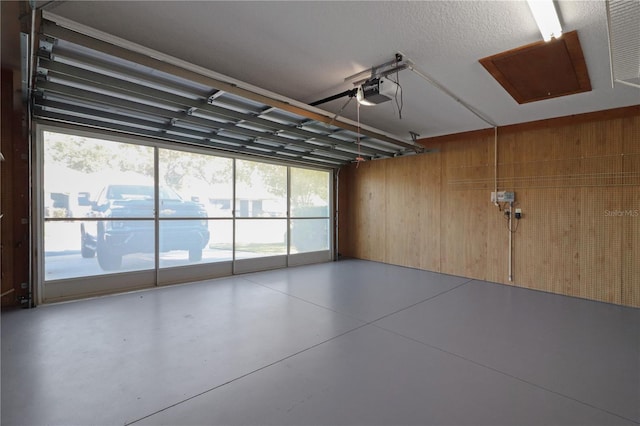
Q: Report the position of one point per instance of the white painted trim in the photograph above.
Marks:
(255, 264)
(75, 288)
(300, 259)
(194, 272)
(38, 201)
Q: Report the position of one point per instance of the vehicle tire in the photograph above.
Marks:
(195, 254)
(86, 252)
(108, 258)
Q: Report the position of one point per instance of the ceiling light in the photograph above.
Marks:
(544, 12)
(362, 101)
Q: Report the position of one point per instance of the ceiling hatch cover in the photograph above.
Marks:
(541, 70)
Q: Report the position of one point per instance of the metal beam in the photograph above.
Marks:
(117, 102)
(126, 88)
(39, 112)
(154, 128)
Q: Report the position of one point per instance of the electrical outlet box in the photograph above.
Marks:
(503, 197)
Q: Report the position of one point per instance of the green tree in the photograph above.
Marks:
(88, 156)
(308, 187)
(91, 155)
(175, 166)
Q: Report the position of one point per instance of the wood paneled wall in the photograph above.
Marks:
(576, 179)
(14, 195)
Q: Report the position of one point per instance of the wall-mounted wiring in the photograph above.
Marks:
(495, 163)
(397, 97)
(359, 159)
(399, 100)
(510, 214)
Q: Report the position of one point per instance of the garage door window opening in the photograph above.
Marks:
(122, 207)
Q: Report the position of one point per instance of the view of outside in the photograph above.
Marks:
(261, 192)
(80, 175)
(204, 188)
(99, 204)
(309, 199)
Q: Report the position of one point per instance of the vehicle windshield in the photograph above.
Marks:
(139, 192)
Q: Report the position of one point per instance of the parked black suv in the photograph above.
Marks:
(127, 222)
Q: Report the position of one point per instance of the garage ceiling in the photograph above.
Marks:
(305, 50)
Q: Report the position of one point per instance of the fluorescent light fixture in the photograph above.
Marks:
(544, 12)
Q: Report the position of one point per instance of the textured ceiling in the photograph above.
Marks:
(304, 50)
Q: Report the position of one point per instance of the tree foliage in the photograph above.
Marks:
(178, 168)
(308, 187)
(92, 156)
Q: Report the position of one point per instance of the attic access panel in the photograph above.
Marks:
(541, 70)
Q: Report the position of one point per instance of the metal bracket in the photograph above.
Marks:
(398, 63)
(213, 96)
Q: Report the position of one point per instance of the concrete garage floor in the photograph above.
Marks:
(342, 343)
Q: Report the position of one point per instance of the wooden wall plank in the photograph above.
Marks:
(402, 182)
(369, 211)
(631, 214)
(463, 238)
(601, 150)
(630, 286)
(546, 249)
(344, 185)
(497, 231)
(429, 167)
(7, 279)
(14, 192)
(497, 245)
(600, 244)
